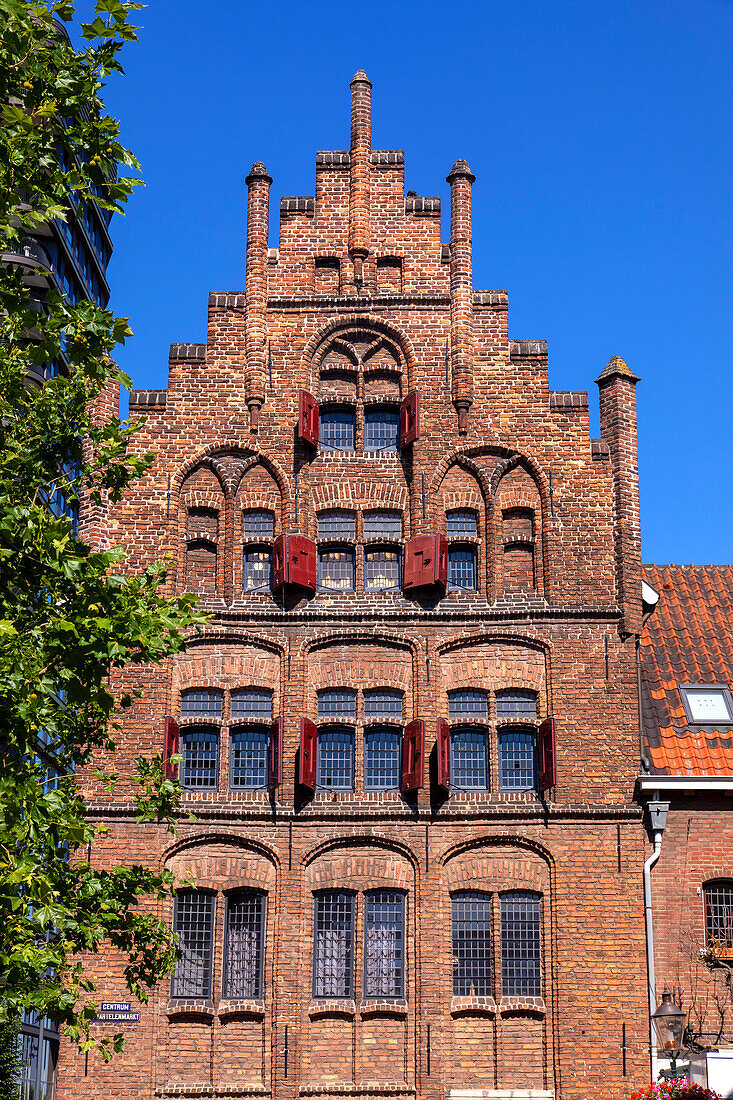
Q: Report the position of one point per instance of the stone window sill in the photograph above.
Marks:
(332, 1006)
(383, 1007)
(535, 1005)
(189, 1008)
(253, 1009)
(483, 1006)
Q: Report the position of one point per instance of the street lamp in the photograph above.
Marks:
(669, 1021)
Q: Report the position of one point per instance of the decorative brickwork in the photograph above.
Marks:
(535, 589)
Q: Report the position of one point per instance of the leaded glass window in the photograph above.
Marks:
(383, 704)
(333, 944)
(462, 523)
(335, 759)
(382, 525)
(381, 429)
(193, 921)
(248, 757)
(719, 914)
(521, 961)
(382, 570)
(382, 759)
(258, 524)
(516, 704)
(384, 935)
(462, 570)
(463, 703)
(337, 525)
(472, 957)
(244, 944)
(517, 760)
(469, 759)
(254, 703)
(337, 704)
(337, 429)
(336, 570)
(200, 751)
(257, 570)
(201, 704)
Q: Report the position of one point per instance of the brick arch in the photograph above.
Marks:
(359, 870)
(359, 637)
(465, 641)
(233, 840)
(370, 322)
(361, 671)
(498, 841)
(208, 455)
(234, 636)
(374, 840)
(497, 871)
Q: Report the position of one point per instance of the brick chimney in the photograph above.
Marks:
(359, 183)
(255, 301)
(617, 385)
(460, 179)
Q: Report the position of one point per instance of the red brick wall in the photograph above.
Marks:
(516, 447)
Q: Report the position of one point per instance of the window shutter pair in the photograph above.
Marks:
(172, 744)
(308, 416)
(413, 755)
(294, 561)
(546, 776)
(426, 562)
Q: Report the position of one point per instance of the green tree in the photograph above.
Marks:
(9, 1061)
(70, 614)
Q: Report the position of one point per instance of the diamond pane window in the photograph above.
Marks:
(257, 571)
(336, 570)
(253, 704)
(708, 704)
(462, 703)
(337, 429)
(382, 759)
(193, 921)
(520, 945)
(244, 941)
(382, 570)
(201, 704)
(383, 525)
(335, 759)
(472, 944)
(383, 704)
(333, 944)
(462, 568)
(384, 935)
(381, 429)
(248, 756)
(469, 760)
(517, 760)
(516, 704)
(337, 704)
(719, 914)
(461, 524)
(337, 525)
(200, 767)
(258, 524)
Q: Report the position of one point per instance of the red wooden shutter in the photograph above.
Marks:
(419, 562)
(443, 745)
(441, 560)
(546, 754)
(302, 563)
(308, 754)
(171, 745)
(275, 762)
(308, 418)
(410, 418)
(413, 753)
(279, 562)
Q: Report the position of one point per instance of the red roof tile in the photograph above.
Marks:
(687, 640)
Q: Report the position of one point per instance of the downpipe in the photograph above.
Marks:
(651, 981)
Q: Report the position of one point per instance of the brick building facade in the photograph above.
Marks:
(410, 730)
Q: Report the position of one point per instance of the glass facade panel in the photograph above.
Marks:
(382, 759)
(200, 766)
(337, 429)
(469, 760)
(521, 967)
(335, 759)
(381, 429)
(384, 919)
(245, 929)
(382, 570)
(194, 924)
(257, 570)
(516, 704)
(333, 945)
(383, 525)
(462, 568)
(462, 523)
(258, 524)
(248, 758)
(472, 944)
(336, 570)
(517, 760)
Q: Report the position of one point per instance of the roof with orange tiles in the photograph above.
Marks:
(687, 640)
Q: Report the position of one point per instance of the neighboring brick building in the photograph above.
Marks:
(416, 863)
(687, 664)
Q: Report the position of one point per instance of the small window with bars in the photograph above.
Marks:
(336, 570)
(384, 938)
(462, 704)
(337, 429)
(462, 523)
(520, 705)
(382, 525)
(469, 759)
(719, 916)
(248, 758)
(462, 568)
(258, 524)
(472, 957)
(257, 570)
(381, 429)
(517, 760)
(521, 960)
(383, 704)
(333, 944)
(337, 704)
(193, 922)
(335, 759)
(382, 759)
(244, 945)
(201, 704)
(200, 764)
(337, 525)
(382, 570)
(254, 705)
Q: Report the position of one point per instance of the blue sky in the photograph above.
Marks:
(599, 133)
